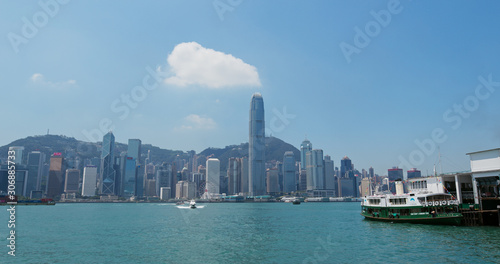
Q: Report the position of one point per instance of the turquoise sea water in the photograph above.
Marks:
(235, 233)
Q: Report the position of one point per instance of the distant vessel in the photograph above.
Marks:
(419, 208)
(296, 201)
(192, 204)
(45, 201)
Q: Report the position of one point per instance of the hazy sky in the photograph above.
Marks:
(372, 80)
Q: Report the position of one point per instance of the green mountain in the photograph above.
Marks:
(71, 147)
(275, 149)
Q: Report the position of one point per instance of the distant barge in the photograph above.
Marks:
(6, 201)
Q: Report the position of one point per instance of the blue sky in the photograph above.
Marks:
(372, 105)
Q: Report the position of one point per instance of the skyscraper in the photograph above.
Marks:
(244, 175)
(305, 147)
(257, 145)
(132, 163)
(213, 177)
(329, 173)
(413, 173)
(71, 184)
(371, 173)
(107, 176)
(18, 156)
(314, 170)
(35, 168)
(289, 184)
(164, 178)
(395, 174)
(55, 179)
(345, 166)
(134, 149)
(234, 176)
(89, 180)
(272, 181)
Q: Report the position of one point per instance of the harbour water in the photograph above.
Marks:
(235, 233)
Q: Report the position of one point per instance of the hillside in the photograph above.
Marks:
(48, 144)
(275, 149)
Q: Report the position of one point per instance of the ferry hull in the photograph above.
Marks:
(440, 220)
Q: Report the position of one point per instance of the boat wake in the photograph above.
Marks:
(187, 206)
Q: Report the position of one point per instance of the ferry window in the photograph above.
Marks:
(398, 201)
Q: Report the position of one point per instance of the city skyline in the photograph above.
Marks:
(400, 94)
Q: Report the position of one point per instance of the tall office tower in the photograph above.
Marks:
(366, 187)
(134, 149)
(18, 155)
(302, 180)
(189, 190)
(213, 177)
(150, 188)
(35, 168)
(89, 180)
(164, 178)
(149, 172)
(192, 159)
(197, 178)
(55, 180)
(20, 181)
(347, 187)
(364, 173)
(413, 173)
(194, 163)
(315, 170)
(179, 187)
(71, 184)
(371, 173)
(139, 182)
(305, 147)
(130, 177)
(173, 179)
(257, 147)
(107, 175)
(234, 176)
(289, 184)
(132, 164)
(395, 174)
(120, 166)
(272, 181)
(244, 175)
(329, 173)
(184, 174)
(165, 193)
(345, 166)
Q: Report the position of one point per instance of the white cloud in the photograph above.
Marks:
(196, 122)
(39, 80)
(190, 63)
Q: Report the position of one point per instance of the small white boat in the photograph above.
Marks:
(192, 204)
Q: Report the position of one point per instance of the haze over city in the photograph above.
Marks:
(377, 86)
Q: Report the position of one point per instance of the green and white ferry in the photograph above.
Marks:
(419, 208)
